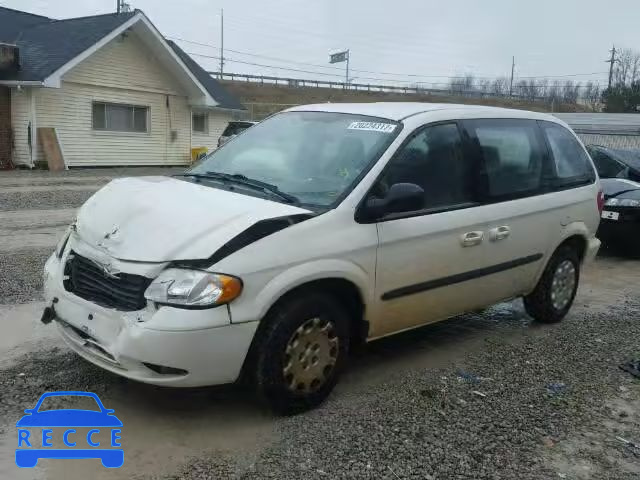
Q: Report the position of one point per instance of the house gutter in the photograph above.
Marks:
(21, 83)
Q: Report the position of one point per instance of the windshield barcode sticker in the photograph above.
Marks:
(373, 126)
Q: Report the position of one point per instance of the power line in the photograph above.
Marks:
(386, 42)
(412, 75)
(298, 70)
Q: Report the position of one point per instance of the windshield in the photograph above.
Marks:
(314, 156)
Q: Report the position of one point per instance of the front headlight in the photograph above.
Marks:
(622, 202)
(193, 288)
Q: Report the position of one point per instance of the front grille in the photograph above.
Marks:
(88, 280)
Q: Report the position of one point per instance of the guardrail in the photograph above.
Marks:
(367, 87)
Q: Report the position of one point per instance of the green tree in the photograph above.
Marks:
(622, 98)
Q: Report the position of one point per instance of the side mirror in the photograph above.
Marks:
(401, 197)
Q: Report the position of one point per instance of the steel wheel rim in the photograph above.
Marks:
(310, 356)
(563, 284)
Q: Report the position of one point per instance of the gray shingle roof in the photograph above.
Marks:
(12, 22)
(217, 91)
(46, 45)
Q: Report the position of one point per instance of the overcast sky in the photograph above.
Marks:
(419, 37)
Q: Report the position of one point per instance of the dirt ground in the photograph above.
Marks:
(466, 398)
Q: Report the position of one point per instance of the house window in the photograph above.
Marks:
(120, 118)
(200, 122)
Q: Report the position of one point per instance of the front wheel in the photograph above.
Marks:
(556, 290)
(301, 352)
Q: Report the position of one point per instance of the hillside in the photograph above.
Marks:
(263, 100)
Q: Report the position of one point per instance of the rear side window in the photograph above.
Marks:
(572, 165)
(512, 157)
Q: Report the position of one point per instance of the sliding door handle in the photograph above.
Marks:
(471, 239)
(499, 233)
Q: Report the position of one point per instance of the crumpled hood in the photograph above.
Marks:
(158, 219)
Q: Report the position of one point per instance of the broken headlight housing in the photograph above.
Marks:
(193, 288)
(622, 202)
(62, 243)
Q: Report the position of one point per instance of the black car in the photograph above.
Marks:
(619, 172)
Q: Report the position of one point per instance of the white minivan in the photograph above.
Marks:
(318, 228)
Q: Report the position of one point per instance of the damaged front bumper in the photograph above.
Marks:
(158, 345)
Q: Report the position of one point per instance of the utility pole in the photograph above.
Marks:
(513, 67)
(122, 7)
(611, 62)
(221, 42)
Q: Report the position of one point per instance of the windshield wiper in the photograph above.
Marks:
(246, 181)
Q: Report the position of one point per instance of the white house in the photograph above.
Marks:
(113, 88)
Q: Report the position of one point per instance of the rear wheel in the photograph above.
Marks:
(556, 290)
(301, 352)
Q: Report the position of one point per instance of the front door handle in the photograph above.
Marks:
(471, 239)
(499, 233)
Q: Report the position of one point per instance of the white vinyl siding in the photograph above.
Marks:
(217, 122)
(69, 109)
(125, 63)
(20, 117)
(123, 72)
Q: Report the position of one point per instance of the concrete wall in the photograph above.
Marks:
(623, 142)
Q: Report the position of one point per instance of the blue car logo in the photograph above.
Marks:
(33, 445)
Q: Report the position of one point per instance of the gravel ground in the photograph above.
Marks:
(52, 199)
(21, 275)
(431, 425)
(91, 172)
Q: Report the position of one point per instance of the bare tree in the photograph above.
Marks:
(627, 69)
(529, 89)
(500, 86)
(591, 95)
(484, 86)
(555, 92)
(462, 84)
(570, 91)
(543, 88)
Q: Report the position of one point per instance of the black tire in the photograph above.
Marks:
(271, 356)
(539, 303)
